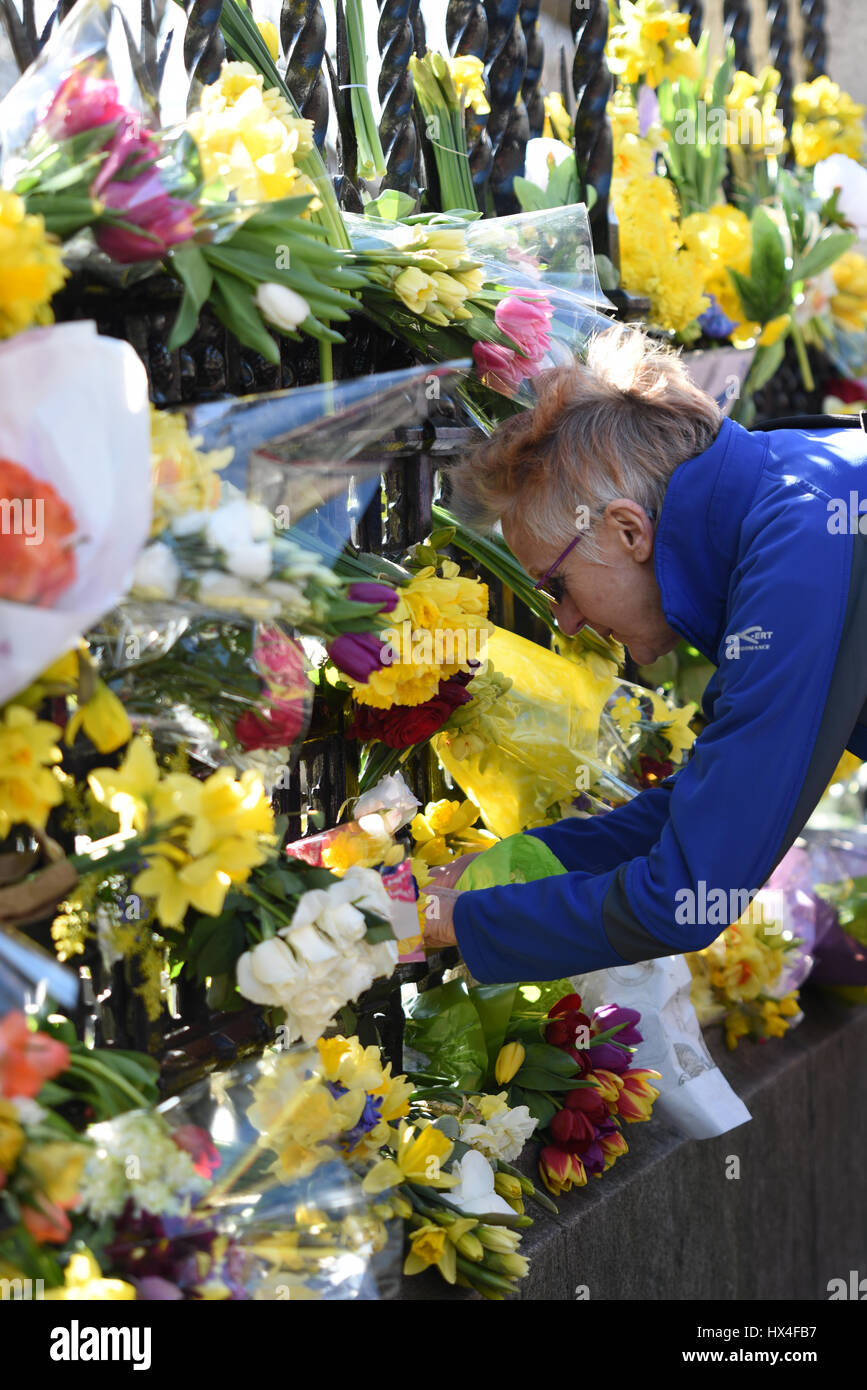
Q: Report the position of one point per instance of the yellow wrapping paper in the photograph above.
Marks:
(539, 734)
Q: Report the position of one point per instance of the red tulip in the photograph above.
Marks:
(49, 1225)
(130, 183)
(560, 1171)
(635, 1101)
(570, 1003)
(81, 103)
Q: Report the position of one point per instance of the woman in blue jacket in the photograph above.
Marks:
(642, 512)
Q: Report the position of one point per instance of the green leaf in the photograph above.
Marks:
(529, 195)
(391, 205)
(766, 362)
(538, 1105)
(823, 254)
(192, 269)
(444, 1025)
(494, 1007)
(234, 306)
(768, 264)
(550, 1058)
(539, 1079)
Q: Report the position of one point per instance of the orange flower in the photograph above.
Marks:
(48, 1225)
(27, 1059)
(37, 560)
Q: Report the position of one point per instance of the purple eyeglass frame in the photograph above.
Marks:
(562, 556)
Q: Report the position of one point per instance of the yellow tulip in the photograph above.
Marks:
(510, 1059)
(84, 1283)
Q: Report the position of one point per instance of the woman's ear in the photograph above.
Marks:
(632, 528)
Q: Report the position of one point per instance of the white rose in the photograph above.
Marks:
(251, 561)
(309, 908)
(365, 888)
(839, 171)
(313, 948)
(281, 306)
(264, 972)
(344, 924)
(157, 572)
(312, 1009)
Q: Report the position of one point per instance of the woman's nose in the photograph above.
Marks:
(569, 620)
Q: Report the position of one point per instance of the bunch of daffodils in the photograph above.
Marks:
(650, 43)
(249, 140)
(31, 270)
(827, 121)
(197, 837)
(29, 752)
(736, 981)
(497, 1130)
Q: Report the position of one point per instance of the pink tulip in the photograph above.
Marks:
(499, 367)
(81, 103)
(130, 184)
(527, 322)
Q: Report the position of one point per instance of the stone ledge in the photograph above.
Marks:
(666, 1223)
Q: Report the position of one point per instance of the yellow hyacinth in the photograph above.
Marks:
(28, 787)
(31, 269)
(250, 139)
(827, 121)
(184, 478)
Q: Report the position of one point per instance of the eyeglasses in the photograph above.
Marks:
(540, 585)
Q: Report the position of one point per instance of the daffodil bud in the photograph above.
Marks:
(508, 1187)
(470, 1247)
(509, 1060)
(281, 306)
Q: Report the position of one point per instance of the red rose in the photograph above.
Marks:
(276, 726)
(405, 725)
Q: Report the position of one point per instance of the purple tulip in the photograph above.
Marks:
(381, 594)
(358, 654)
(607, 1057)
(153, 1289)
(609, 1015)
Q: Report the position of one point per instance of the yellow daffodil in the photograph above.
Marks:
(184, 478)
(419, 1158)
(722, 238)
(12, 1137)
(849, 304)
(84, 1283)
(626, 714)
(28, 750)
(827, 121)
(104, 720)
(467, 73)
(271, 37)
(429, 1245)
(127, 789)
(649, 42)
(656, 258)
(345, 1061)
(249, 138)
(31, 269)
(57, 1167)
(558, 124)
(677, 731)
(774, 330)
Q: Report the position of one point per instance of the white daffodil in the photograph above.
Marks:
(474, 1192)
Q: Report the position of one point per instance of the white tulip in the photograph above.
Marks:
(157, 572)
(281, 306)
(538, 150)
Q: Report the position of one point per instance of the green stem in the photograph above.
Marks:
(80, 1065)
(803, 360)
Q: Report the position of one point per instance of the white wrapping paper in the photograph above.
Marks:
(74, 412)
(694, 1096)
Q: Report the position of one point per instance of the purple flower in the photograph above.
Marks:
(648, 109)
(358, 654)
(153, 1289)
(381, 594)
(714, 323)
(607, 1057)
(130, 184)
(609, 1015)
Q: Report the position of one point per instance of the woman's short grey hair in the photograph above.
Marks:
(613, 426)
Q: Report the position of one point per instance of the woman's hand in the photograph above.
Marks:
(439, 928)
(447, 875)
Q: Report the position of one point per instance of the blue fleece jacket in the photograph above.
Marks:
(762, 567)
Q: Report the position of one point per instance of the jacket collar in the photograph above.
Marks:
(698, 534)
